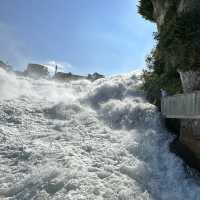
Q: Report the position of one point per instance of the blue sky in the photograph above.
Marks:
(83, 36)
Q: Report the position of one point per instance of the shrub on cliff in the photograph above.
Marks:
(155, 77)
(145, 8)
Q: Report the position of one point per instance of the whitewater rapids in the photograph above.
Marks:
(85, 141)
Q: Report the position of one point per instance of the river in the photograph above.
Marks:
(86, 140)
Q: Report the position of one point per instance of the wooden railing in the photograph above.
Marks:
(182, 106)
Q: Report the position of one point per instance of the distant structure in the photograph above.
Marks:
(95, 76)
(56, 69)
(37, 71)
(61, 76)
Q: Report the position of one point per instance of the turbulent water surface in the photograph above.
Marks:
(85, 141)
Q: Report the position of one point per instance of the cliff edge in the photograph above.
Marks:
(178, 44)
(174, 64)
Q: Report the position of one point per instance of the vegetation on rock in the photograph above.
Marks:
(145, 8)
(178, 47)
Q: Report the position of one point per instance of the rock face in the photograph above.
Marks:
(178, 42)
(178, 50)
(160, 9)
(37, 71)
(190, 129)
(190, 81)
(178, 23)
(189, 135)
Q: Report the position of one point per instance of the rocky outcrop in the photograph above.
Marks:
(190, 128)
(190, 135)
(178, 46)
(178, 23)
(36, 71)
(161, 7)
(190, 81)
(159, 11)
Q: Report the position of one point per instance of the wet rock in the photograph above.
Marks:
(98, 165)
(96, 191)
(54, 186)
(103, 174)
(108, 193)
(87, 148)
(71, 186)
(93, 169)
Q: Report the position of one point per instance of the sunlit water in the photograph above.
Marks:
(85, 141)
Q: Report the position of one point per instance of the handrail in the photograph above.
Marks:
(186, 106)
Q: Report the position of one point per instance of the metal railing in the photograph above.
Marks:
(181, 106)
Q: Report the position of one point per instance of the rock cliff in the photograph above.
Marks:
(160, 8)
(174, 65)
(178, 42)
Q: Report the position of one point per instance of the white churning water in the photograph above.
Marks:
(85, 141)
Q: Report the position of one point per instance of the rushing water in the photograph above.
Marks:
(85, 141)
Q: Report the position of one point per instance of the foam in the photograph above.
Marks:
(84, 140)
